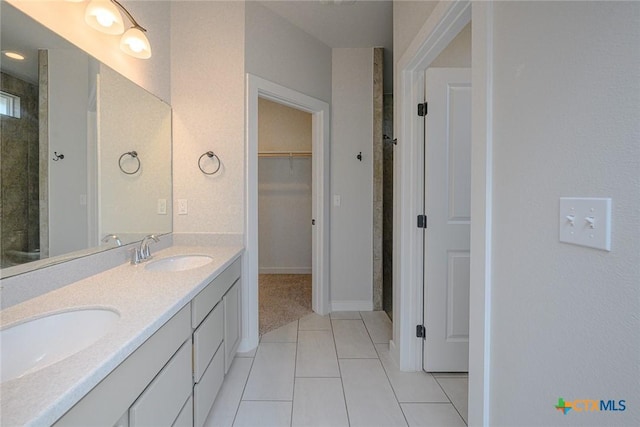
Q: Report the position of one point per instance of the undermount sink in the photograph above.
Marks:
(178, 263)
(35, 344)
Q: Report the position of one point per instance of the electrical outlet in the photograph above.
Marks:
(182, 207)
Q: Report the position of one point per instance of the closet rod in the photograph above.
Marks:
(284, 153)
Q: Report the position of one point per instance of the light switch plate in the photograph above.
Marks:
(586, 222)
(337, 200)
(182, 207)
(162, 206)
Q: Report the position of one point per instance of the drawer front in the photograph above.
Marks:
(205, 392)
(207, 339)
(185, 419)
(161, 402)
(209, 296)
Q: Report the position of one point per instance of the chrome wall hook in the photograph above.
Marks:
(359, 156)
(57, 156)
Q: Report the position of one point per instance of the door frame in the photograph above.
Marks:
(444, 23)
(257, 87)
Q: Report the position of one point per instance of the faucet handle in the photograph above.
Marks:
(136, 256)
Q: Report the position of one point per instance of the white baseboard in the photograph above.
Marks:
(284, 270)
(366, 305)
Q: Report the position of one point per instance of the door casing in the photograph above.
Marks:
(444, 23)
(258, 87)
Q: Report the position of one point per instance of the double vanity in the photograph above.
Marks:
(145, 344)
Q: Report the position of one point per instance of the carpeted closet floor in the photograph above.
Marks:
(283, 298)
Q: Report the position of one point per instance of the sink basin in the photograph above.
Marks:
(178, 263)
(32, 345)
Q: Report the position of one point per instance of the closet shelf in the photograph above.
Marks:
(284, 154)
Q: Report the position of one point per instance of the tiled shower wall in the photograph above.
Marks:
(19, 203)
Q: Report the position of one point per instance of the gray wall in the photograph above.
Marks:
(282, 53)
(352, 180)
(565, 123)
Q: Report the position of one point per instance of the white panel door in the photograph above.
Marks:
(448, 206)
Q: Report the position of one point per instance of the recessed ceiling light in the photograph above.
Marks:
(13, 55)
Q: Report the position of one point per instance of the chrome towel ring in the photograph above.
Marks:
(211, 155)
(133, 155)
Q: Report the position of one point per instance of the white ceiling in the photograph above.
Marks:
(357, 23)
(343, 23)
(22, 34)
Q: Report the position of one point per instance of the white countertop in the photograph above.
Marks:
(144, 299)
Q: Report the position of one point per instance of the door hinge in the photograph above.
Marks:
(422, 221)
(422, 109)
(421, 331)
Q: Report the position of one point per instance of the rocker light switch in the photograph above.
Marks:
(586, 222)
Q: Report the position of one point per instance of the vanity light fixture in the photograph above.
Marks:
(104, 16)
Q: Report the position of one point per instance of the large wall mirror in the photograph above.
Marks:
(85, 161)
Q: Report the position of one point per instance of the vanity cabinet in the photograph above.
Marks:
(214, 313)
(105, 404)
(173, 378)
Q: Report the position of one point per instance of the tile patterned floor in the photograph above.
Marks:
(334, 371)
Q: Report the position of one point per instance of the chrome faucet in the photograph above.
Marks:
(115, 237)
(142, 253)
(144, 246)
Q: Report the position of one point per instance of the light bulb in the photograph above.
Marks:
(104, 16)
(135, 43)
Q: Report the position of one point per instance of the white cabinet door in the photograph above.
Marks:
(232, 323)
(205, 392)
(206, 340)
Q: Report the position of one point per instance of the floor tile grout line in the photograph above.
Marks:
(295, 368)
(235, 415)
(368, 334)
(452, 404)
(391, 385)
(344, 395)
(357, 358)
(367, 328)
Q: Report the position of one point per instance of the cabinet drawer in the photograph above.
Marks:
(206, 340)
(204, 393)
(185, 419)
(209, 296)
(162, 401)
